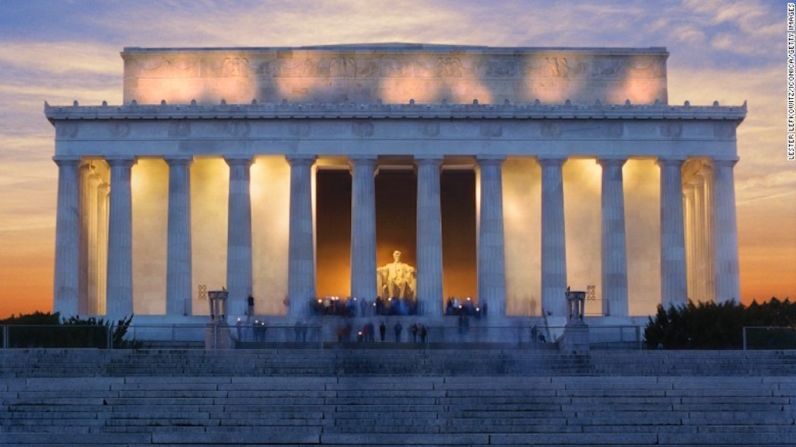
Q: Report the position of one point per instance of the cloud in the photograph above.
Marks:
(58, 58)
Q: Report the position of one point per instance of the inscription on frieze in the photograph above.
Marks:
(396, 74)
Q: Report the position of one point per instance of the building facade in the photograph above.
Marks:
(206, 177)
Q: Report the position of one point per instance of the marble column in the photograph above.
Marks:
(710, 261)
(429, 237)
(689, 218)
(67, 238)
(178, 263)
(491, 252)
(239, 236)
(301, 245)
(701, 238)
(614, 248)
(554, 254)
(363, 227)
(673, 276)
(725, 232)
(120, 240)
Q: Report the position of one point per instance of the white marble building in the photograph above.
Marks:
(205, 175)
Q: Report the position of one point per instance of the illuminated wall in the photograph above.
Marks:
(582, 214)
(643, 223)
(150, 189)
(209, 197)
(395, 74)
(522, 208)
(270, 196)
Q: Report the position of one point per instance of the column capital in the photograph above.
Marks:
(551, 162)
(430, 160)
(300, 159)
(66, 160)
(238, 160)
(124, 161)
(487, 160)
(362, 161)
(664, 161)
(724, 163)
(178, 160)
(608, 162)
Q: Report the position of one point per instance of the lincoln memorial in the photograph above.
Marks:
(428, 173)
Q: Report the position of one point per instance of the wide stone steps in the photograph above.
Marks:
(377, 410)
(399, 362)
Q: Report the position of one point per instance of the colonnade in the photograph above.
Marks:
(723, 270)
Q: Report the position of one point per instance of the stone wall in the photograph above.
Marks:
(395, 73)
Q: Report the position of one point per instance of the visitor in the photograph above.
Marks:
(259, 331)
(398, 328)
(484, 309)
(250, 306)
(423, 334)
(297, 330)
(413, 330)
(370, 330)
(382, 330)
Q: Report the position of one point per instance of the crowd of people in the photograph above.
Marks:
(359, 307)
(466, 306)
(416, 333)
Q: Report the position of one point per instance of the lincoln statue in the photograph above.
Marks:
(396, 279)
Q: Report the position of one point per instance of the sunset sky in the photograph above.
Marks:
(59, 51)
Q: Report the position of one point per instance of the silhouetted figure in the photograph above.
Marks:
(398, 328)
(423, 334)
(370, 331)
(382, 330)
(413, 331)
(250, 306)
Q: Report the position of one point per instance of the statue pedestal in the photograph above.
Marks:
(217, 337)
(575, 339)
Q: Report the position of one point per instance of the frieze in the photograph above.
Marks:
(362, 128)
(67, 130)
(236, 128)
(180, 129)
(299, 129)
(120, 130)
(431, 129)
(671, 130)
(724, 130)
(551, 130)
(491, 130)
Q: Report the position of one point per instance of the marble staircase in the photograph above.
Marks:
(311, 397)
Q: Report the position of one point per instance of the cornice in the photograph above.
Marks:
(347, 111)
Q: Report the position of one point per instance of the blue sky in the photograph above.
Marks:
(720, 50)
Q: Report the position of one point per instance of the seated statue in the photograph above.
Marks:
(396, 279)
